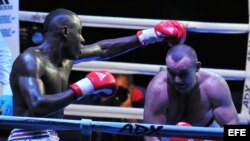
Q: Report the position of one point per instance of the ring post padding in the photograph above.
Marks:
(245, 107)
(86, 131)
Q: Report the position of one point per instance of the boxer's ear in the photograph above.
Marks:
(198, 66)
(64, 31)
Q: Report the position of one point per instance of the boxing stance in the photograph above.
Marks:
(183, 92)
(39, 76)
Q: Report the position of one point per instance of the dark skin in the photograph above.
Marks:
(39, 77)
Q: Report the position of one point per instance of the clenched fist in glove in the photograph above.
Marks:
(183, 139)
(96, 82)
(171, 31)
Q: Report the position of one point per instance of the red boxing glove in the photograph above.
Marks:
(172, 31)
(136, 95)
(96, 82)
(183, 139)
(175, 32)
(182, 123)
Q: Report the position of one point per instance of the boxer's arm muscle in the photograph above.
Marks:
(224, 110)
(109, 48)
(33, 91)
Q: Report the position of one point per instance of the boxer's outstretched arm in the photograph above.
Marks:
(109, 48)
(171, 32)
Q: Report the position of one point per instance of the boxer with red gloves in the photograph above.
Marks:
(172, 31)
(40, 74)
(96, 82)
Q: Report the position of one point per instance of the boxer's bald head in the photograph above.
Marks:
(58, 18)
(182, 65)
(179, 51)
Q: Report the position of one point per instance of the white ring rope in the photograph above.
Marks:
(132, 129)
(140, 23)
(103, 111)
(117, 112)
(137, 23)
(147, 69)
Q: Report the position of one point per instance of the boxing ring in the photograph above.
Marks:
(86, 126)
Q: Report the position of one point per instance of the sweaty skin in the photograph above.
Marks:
(185, 93)
(39, 77)
(40, 74)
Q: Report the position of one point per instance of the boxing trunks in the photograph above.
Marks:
(33, 135)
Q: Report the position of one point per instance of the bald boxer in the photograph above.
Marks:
(183, 92)
(39, 76)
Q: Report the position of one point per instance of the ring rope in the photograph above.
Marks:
(82, 110)
(146, 23)
(103, 111)
(140, 23)
(147, 69)
(133, 129)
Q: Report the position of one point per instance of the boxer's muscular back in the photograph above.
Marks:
(34, 66)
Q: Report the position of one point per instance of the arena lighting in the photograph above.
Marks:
(37, 37)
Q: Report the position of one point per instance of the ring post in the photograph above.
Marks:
(86, 131)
